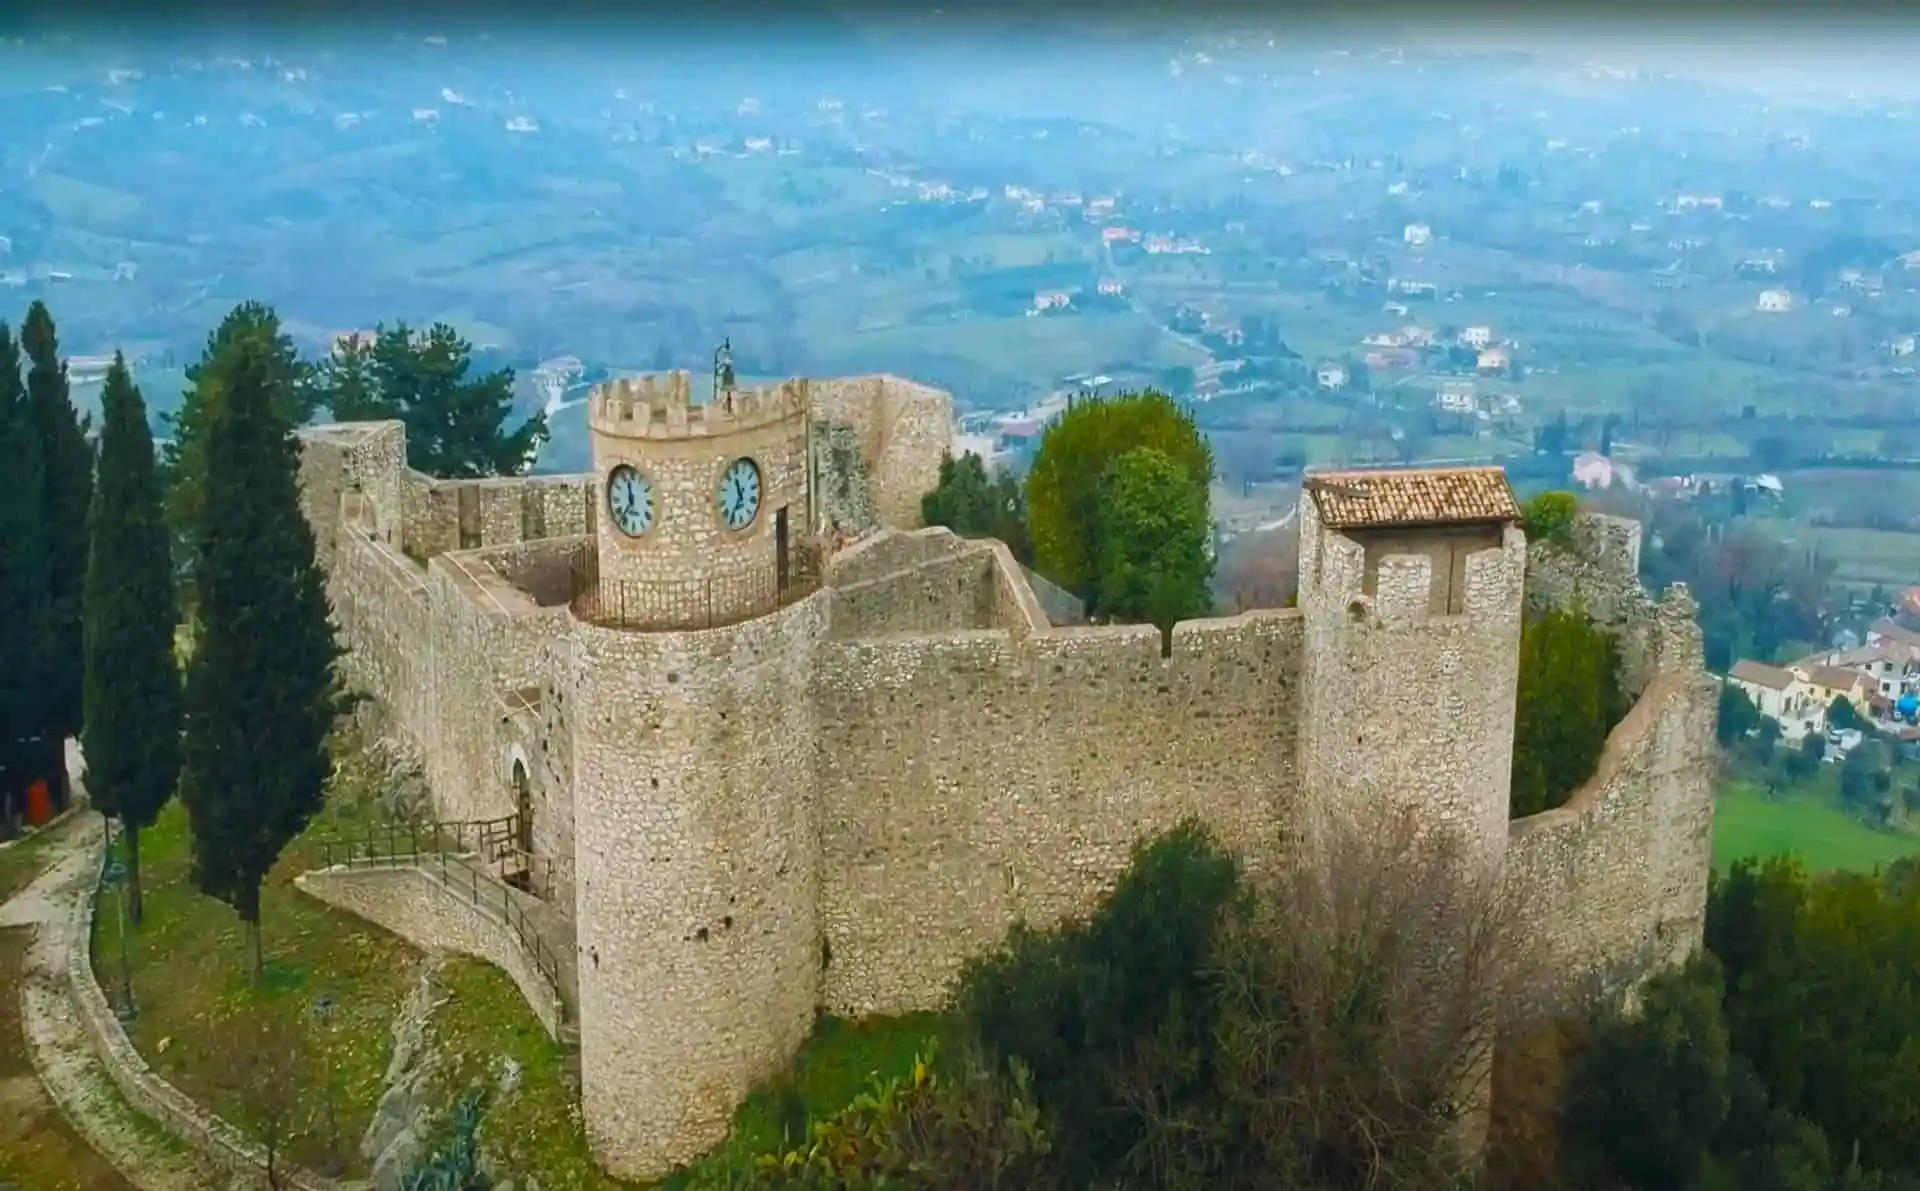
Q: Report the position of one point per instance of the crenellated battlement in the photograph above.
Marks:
(660, 406)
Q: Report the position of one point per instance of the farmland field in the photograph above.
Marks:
(1749, 824)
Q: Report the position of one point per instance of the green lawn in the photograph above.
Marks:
(1869, 555)
(1747, 823)
(536, 1132)
(188, 963)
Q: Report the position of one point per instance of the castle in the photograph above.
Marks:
(772, 751)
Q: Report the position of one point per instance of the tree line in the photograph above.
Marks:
(102, 544)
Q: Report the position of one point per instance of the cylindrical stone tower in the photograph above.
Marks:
(696, 836)
(700, 505)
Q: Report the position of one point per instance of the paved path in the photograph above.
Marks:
(62, 1057)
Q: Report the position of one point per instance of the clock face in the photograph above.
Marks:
(630, 500)
(740, 493)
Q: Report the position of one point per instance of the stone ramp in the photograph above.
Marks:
(457, 902)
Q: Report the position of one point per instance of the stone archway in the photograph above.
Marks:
(522, 807)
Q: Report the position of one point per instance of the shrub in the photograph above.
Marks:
(1550, 517)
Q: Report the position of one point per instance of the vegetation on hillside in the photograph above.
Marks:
(132, 676)
(67, 479)
(456, 423)
(261, 693)
(26, 587)
(1068, 483)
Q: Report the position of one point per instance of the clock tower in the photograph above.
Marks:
(699, 506)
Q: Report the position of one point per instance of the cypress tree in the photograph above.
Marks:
(261, 693)
(24, 586)
(67, 490)
(132, 732)
(181, 463)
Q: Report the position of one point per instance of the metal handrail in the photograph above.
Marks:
(475, 839)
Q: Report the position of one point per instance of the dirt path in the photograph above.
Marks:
(63, 1125)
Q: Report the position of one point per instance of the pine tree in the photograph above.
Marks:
(67, 487)
(456, 423)
(180, 461)
(261, 692)
(24, 587)
(132, 733)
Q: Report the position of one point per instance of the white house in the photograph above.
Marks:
(1331, 376)
(1774, 301)
(1417, 234)
(1477, 337)
(1783, 696)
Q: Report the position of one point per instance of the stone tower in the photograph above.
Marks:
(1411, 585)
(700, 506)
(696, 840)
(1411, 588)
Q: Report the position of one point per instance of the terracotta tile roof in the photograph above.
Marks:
(1834, 678)
(1428, 496)
(1761, 674)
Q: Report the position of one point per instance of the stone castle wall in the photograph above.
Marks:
(1613, 885)
(971, 780)
(834, 806)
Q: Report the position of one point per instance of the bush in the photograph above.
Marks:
(973, 1132)
(1081, 1005)
(1647, 1097)
(1550, 517)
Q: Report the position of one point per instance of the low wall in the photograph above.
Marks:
(431, 915)
(150, 1095)
(956, 591)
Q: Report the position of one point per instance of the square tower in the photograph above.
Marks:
(1411, 587)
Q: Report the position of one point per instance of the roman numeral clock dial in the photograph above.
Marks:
(630, 500)
(740, 494)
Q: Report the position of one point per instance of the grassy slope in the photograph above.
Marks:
(536, 1130)
(1749, 824)
(189, 975)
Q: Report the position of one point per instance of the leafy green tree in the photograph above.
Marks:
(181, 463)
(1076, 452)
(1842, 714)
(1153, 559)
(456, 424)
(261, 692)
(1821, 998)
(1651, 1090)
(1082, 1005)
(25, 588)
(132, 732)
(1570, 699)
(67, 490)
(974, 504)
(1550, 517)
(1737, 716)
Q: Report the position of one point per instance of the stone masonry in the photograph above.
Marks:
(798, 764)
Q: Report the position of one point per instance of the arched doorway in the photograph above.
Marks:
(523, 808)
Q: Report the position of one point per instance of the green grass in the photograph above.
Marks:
(22, 862)
(1749, 824)
(536, 1131)
(189, 970)
(1868, 555)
